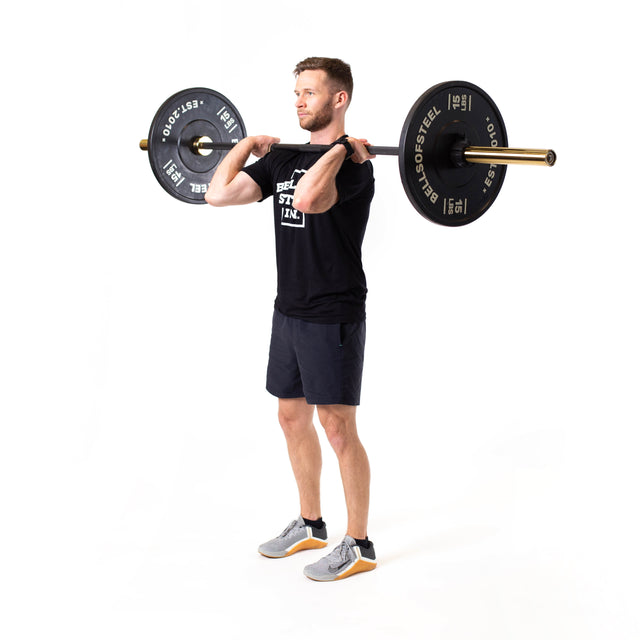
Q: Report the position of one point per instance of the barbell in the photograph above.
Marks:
(452, 155)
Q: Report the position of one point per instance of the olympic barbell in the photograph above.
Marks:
(453, 151)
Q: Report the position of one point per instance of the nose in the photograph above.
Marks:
(299, 101)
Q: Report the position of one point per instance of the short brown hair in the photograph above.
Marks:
(338, 72)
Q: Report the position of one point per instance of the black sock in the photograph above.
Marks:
(365, 544)
(316, 524)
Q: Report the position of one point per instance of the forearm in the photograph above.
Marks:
(230, 185)
(316, 191)
(227, 170)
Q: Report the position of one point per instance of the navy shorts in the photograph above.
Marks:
(320, 362)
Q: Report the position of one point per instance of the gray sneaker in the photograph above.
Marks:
(345, 560)
(296, 537)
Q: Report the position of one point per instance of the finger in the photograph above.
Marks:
(271, 142)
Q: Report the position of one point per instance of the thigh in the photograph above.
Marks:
(331, 359)
(283, 374)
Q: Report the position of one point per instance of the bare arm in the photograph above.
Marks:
(316, 191)
(230, 185)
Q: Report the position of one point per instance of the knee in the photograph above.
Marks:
(292, 423)
(340, 433)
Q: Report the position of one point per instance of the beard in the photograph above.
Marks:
(319, 120)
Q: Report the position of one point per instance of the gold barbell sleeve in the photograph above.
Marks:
(508, 155)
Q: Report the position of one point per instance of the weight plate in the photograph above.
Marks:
(185, 116)
(443, 191)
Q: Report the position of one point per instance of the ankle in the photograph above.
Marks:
(363, 542)
(316, 523)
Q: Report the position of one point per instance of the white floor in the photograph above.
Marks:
(494, 535)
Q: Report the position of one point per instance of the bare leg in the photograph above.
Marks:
(296, 420)
(339, 422)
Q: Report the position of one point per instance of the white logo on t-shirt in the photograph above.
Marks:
(289, 217)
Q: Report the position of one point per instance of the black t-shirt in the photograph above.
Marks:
(319, 256)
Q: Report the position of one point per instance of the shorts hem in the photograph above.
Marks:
(285, 396)
(346, 404)
(314, 401)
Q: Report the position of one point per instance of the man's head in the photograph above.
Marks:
(323, 92)
(338, 73)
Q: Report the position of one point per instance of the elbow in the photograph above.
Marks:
(308, 201)
(305, 200)
(214, 198)
(302, 204)
(307, 204)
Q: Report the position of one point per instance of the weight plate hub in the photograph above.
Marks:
(184, 117)
(439, 184)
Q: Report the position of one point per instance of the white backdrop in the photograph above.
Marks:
(141, 460)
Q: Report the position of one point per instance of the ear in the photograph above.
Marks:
(341, 100)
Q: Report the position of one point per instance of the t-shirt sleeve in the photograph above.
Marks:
(354, 180)
(260, 172)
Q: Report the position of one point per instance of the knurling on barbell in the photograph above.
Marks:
(452, 154)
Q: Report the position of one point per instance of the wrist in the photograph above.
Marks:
(346, 145)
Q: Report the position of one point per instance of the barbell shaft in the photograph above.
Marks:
(374, 151)
(201, 144)
(473, 155)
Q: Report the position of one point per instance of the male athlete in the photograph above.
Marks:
(321, 208)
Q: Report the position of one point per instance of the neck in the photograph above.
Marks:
(328, 135)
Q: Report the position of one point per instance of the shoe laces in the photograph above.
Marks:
(340, 554)
(290, 527)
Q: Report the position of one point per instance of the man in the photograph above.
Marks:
(321, 207)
